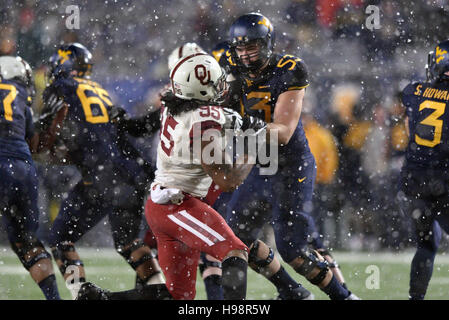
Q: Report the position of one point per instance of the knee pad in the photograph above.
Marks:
(126, 253)
(332, 264)
(312, 261)
(60, 254)
(253, 258)
(204, 264)
(27, 247)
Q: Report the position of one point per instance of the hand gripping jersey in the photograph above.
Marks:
(16, 123)
(258, 98)
(176, 167)
(428, 118)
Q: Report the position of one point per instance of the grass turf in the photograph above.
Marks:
(107, 269)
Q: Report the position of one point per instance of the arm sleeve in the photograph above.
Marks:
(29, 132)
(138, 127)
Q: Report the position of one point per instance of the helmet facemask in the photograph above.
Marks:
(221, 88)
(263, 53)
(430, 72)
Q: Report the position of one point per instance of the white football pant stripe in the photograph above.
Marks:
(199, 224)
(202, 225)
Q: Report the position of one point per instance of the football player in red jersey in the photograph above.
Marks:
(185, 225)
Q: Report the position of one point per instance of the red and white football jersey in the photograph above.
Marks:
(177, 167)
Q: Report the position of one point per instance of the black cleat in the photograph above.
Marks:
(90, 291)
(299, 293)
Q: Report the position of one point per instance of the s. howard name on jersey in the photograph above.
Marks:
(428, 119)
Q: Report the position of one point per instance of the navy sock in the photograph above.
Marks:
(335, 290)
(421, 272)
(283, 283)
(49, 288)
(234, 278)
(213, 287)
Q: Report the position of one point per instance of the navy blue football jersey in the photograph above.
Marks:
(428, 119)
(258, 98)
(16, 120)
(91, 139)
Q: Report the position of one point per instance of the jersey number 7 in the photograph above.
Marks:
(7, 101)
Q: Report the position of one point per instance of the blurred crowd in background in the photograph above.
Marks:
(352, 113)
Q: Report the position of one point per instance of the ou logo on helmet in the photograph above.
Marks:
(202, 74)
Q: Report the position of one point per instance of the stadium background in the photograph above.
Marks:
(356, 75)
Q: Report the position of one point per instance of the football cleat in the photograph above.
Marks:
(90, 291)
(352, 297)
(299, 293)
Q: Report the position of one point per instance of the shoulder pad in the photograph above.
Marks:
(411, 87)
(293, 72)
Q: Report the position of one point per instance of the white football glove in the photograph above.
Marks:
(234, 120)
(240, 124)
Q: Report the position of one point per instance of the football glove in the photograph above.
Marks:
(52, 104)
(234, 120)
(116, 114)
(240, 124)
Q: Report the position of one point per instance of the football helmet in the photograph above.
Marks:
(182, 51)
(15, 68)
(249, 28)
(198, 77)
(71, 59)
(438, 62)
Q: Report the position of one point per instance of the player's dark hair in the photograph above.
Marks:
(177, 105)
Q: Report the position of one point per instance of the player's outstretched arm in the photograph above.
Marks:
(137, 127)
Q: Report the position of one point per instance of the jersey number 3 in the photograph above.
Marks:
(433, 121)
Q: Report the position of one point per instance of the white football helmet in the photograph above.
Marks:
(198, 77)
(185, 50)
(15, 67)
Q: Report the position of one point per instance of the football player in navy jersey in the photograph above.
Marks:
(425, 173)
(19, 182)
(287, 287)
(270, 88)
(113, 181)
